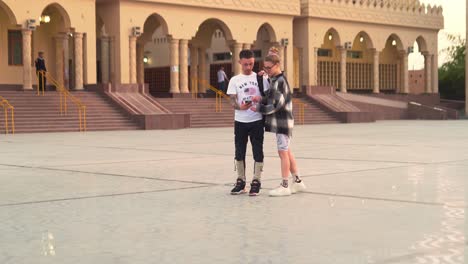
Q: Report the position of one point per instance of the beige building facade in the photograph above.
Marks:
(64, 30)
(351, 45)
(417, 81)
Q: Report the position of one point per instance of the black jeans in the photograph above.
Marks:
(222, 86)
(242, 132)
(42, 81)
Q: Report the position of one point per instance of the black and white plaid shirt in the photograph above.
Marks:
(277, 106)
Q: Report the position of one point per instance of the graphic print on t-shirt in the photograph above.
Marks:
(245, 87)
(246, 94)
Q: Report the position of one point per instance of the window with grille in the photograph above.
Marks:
(257, 54)
(329, 73)
(15, 47)
(388, 77)
(354, 54)
(222, 56)
(324, 53)
(359, 76)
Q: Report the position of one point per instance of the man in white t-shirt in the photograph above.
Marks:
(242, 88)
(222, 78)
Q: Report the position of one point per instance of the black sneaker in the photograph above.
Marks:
(239, 188)
(255, 187)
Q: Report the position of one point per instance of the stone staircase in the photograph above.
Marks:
(203, 112)
(35, 113)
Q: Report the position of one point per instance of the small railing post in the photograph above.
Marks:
(12, 120)
(5, 110)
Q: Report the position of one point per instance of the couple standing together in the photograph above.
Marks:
(263, 102)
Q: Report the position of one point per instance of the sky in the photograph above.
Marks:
(454, 15)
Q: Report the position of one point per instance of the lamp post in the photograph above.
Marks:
(466, 61)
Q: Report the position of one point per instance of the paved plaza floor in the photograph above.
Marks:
(386, 192)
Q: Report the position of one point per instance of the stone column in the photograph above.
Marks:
(140, 63)
(427, 72)
(133, 60)
(404, 72)
(202, 70)
(174, 58)
(375, 72)
(78, 61)
(435, 73)
(343, 55)
(282, 53)
(59, 59)
(183, 60)
(194, 68)
(27, 69)
(235, 58)
(105, 59)
(314, 70)
(66, 58)
(112, 60)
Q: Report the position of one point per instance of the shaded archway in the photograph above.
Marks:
(420, 67)
(7, 14)
(359, 61)
(11, 47)
(54, 37)
(153, 62)
(328, 60)
(103, 53)
(390, 65)
(266, 38)
(211, 47)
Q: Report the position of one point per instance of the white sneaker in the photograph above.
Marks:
(280, 191)
(298, 187)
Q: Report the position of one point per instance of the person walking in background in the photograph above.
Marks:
(222, 79)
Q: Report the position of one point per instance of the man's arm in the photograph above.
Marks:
(231, 91)
(236, 106)
(234, 103)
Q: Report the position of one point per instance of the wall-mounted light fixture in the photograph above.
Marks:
(44, 19)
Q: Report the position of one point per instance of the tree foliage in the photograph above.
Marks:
(452, 73)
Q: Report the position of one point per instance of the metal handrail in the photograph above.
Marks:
(7, 106)
(194, 89)
(219, 94)
(301, 105)
(65, 95)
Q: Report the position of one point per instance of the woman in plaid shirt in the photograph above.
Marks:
(277, 107)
